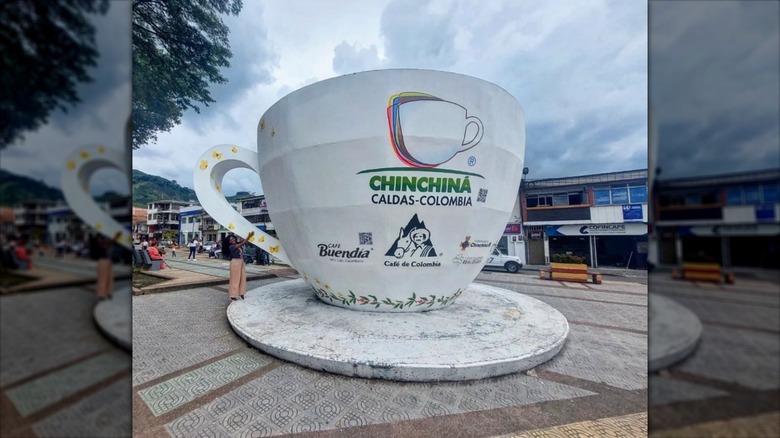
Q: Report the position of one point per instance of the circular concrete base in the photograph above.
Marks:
(487, 332)
(114, 317)
(674, 332)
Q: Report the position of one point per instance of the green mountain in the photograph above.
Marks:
(151, 188)
(16, 188)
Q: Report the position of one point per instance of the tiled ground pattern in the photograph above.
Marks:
(553, 289)
(612, 357)
(663, 390)
(106, 412)
(58, 372)
(292, 399)
(765, 425)
(738, 355)
(193, 320)
(55, 386)
(286, 398)
(175, 392)
(634, 425)
(44, 330)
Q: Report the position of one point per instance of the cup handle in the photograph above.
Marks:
(80, 165)
(210, 169)
(477, 137)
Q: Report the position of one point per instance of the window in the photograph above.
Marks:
(601, 197)
(619, 194)
(554, 199)
(560, 199)
(752, 195)
(637, 194)
(734, 196)
(771, 193)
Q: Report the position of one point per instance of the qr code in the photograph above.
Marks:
(366, 238)
(482, 195)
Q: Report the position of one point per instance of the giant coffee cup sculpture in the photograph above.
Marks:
(386, 188)
(113, 316)
(79, 168)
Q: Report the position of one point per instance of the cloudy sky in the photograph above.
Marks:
(99, 119)
(578, 68)
(715, 86)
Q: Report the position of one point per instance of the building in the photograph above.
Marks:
(196, 223)
(63, 224)
(30, 218)
(601, 218)
(190, 219)
(732, 219)
(7, 226)
(140, 228)
(255, 210)
(163, 217)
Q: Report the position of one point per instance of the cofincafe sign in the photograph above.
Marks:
(626, 229)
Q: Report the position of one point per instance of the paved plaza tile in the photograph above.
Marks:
(60, 376)
(730, 384)
(182, 339)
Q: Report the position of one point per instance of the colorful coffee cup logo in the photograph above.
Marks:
(79, 168)
(427, 131)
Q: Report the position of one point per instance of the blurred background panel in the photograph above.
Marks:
(66, 87)
(715, 240)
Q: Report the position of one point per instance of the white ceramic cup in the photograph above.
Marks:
(386, 188)
(80, 165)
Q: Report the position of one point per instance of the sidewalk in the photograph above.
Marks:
(604, 270)
(49, 272)
(193, 376)
(180, 273)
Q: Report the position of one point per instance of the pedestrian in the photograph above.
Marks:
(154, 253)
(237, 286)
(99, 248)
(193, 246)
(173, 249)
(60, 248)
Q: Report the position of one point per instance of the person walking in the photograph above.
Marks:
(237, 286)
(99, 250)
(193, 246)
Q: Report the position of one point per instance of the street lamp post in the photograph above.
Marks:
(523, 187)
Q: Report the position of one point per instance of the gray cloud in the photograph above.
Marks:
(416, 34)
(579, 70)
(252, 64)
(715, 86)
(349, 58)
(100, 118)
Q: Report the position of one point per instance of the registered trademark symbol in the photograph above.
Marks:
(472, 160)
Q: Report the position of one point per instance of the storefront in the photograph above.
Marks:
(745, 245)
(617, 244)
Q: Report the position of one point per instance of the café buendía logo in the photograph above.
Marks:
(335, 253)
(426, 132)
(413, 242)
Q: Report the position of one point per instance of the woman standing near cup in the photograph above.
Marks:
(237, 287)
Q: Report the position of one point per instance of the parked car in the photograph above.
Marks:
(496, 259)
(209, 245)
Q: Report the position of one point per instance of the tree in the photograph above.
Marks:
(46, 49)
(178, 49)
